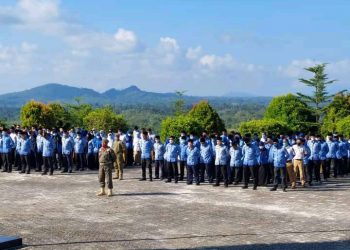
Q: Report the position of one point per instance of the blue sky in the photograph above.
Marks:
(208, 47)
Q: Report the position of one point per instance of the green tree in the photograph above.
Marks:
(61, 115)
(336, 111)
(172, 126)
(208, 118)
(36, 113)
(77, 112)
(343, 127)
(270, 126)
(320, 95)
(294, 112)
(105, 119)
(179, 105)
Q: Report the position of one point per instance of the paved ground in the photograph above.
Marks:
(62, 212)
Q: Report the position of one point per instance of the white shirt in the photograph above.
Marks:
(299, 152)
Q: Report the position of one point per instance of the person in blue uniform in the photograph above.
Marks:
(159, 151)
(172, 152)
(206, 159)
(67, 152)
(146, 146)
(236, 163)
(7, 146)
(25, 148)
(263, 164)
(79, 147)
(250, 154)
(280, 156)
(192, 163)
(48, 147)
(182, 157)
(221, 159)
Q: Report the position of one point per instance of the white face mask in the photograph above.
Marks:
(261, 147)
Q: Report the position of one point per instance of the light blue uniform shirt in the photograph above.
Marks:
(172, 151)
(67, 145)
(159, 151)
(146, 148)
(206, 153)
(25, 146)
(47, 147)
(192, 156)
(79, 146)
(250, 155)
(236, 157)
(280, 156)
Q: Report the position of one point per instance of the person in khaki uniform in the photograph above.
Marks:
(300, 153)
(106, 158)
(119, 150)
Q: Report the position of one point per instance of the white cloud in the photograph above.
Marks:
(169, 44)
(193, 53)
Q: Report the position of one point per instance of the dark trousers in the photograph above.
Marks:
(280, 174)
(270, 173)
(309, 168)
(91, 161)
(18, 161)
(221, 170)
(7, 160)
(160, 168)
(263, 174)
(1, 162)
(182, 170)
(48, 164)
(238, 174)
(172, 171)
(193, 171)
(317, 169)
(80, 161)
(129, 157)
(67, 162)
(25, 160)
(330, 165)
(324, 169)
(209, 169)
(38, 160)
(96, 162)
(146, 163)
(250, 171)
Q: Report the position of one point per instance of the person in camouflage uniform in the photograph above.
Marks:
(106, 157)
(119, 150)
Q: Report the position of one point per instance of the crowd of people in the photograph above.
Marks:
(223, 157)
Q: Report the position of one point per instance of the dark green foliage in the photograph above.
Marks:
(320, 96)
(343, 126)
(337, 110)
(208, 118)
(104, 119)
(292, 111)
(270, 126)
(172, 126)
(37, 114)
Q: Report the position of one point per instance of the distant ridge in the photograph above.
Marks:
(55, 92)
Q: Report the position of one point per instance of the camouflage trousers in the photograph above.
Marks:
(105, 175)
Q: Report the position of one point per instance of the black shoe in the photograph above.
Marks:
(142, 179)
(284, 189)
(44, 173)
(226, 185)
(22, 172)
(273, 189)
(64, 171)
(150, 180)
(156, 178)
(70, 171)
(235, 184)
(28, 172)
(176, 181)
(37, 170)
(51, 173)
(255, 188)
(216, 185)
(189, 183)
(244, 187)
(167, 181)
(197, 183)
(9, 171)
(3, 171)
